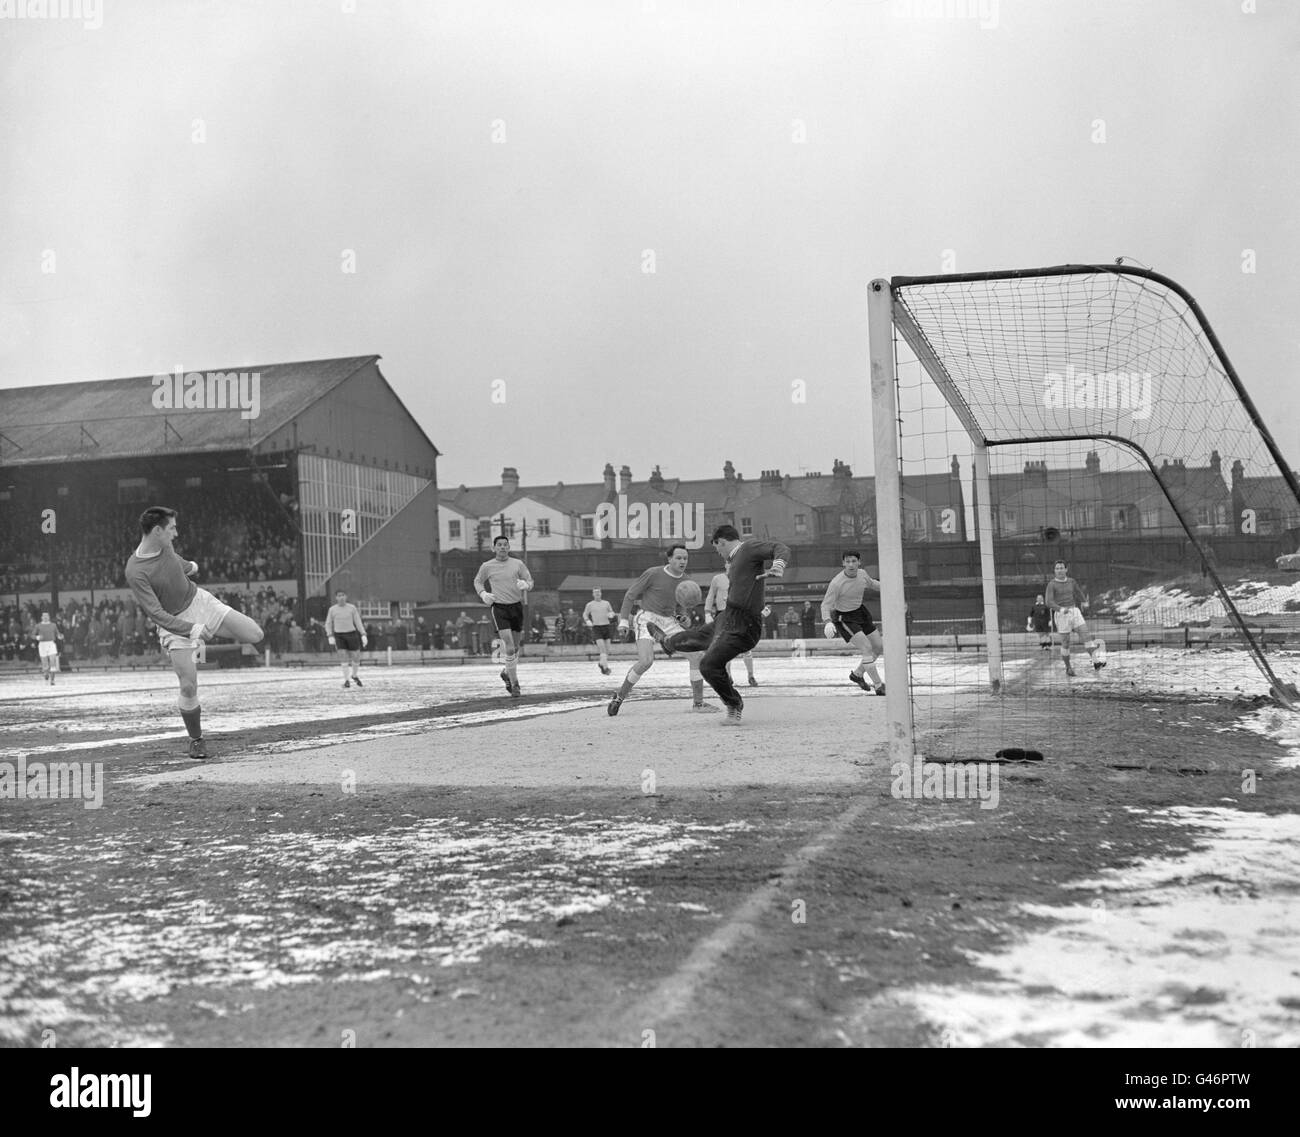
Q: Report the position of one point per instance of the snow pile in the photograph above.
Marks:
(1169, 606)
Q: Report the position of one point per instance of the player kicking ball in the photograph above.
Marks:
(660, 591)
(740, 625)
(185, 614)
(501, 584)
(345, 630)
(846, 615)
(597, 615)
(1066, 599)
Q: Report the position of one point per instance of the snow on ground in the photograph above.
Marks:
(1170, 606)
(1199, 950)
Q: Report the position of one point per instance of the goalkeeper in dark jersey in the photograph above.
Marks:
(187, 616)
(1066, 599)
(740, 626)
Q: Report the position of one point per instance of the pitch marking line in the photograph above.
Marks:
(673, 997)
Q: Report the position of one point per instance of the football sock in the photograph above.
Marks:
(628, 683)
(191, 719)
(697, 690)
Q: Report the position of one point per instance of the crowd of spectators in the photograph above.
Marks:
(235, 528)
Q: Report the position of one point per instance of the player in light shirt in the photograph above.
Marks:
(345, 630)
(501, 584)
(846, 615)
(598, 615)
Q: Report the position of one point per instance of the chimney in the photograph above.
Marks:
(956, 468)
(841, 470)
(624, 479)
(609, 478)
(656, 479)
(1216, 463)
(1175, 472)
(1093, 462)
(728, 471)
(770, 479)
(510, 480)
(1036, 472)
(1238, 471)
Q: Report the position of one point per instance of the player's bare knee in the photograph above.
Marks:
(189, 688)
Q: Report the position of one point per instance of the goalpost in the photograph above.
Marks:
(1107, 384)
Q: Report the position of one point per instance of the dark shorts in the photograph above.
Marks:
(508, 617)
(348, 641)
(600, 631)
(850, 623)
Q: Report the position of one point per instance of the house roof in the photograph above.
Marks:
(115, 418)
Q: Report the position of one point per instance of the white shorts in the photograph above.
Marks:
(204, 609)
(642, 620)
(1065, 620)
(47, 648)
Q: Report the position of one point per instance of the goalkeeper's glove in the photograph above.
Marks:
(486, 597)
(191, 567)
(708, 617)
(364, 641)
(525, 585)
(331, 641)
(829, 631)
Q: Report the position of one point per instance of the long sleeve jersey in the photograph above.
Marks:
(598, 612)
(845, 593)
(162, 589)
(656, 590)
(501, 578)
(744, 585)
(1064, 594)
(343, 618)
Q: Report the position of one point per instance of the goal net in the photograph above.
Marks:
(1083, 414)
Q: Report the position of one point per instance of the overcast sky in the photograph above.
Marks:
(499, 170)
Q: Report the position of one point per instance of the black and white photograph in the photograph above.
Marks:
(651, 523)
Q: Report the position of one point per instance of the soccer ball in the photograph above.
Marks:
(688, 594)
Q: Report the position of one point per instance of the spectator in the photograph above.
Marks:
(560, 630)
(484, 631)
(297, 638)
(421, 634)
(573, 626)
(809, 619)
(792, 623)
(539, 629)
(465, 626)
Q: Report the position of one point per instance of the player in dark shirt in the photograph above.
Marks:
(740, 625)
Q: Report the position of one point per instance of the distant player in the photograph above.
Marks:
(846, 615)
(501, 584)
(740, 626)
(345, 630)
(598, 615)
(46, 647)
(1066, 598)
(716, 602)
(656, 591)
(185, 614)
(1040, 621)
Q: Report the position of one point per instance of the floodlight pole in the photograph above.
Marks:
(988, 566)
(889, 521)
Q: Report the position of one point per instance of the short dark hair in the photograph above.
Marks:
(1055, 563)
(673, 548)
(850, 553)
(500, 537)
(155, 516)
(725, 533)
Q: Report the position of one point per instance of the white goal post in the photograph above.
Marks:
(1108, 354)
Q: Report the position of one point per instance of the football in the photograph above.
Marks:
(688, 594)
